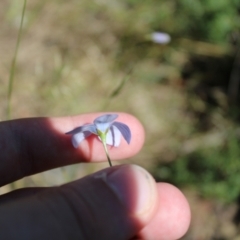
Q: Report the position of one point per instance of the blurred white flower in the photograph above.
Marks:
(160, 37)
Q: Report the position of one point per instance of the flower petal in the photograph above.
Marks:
(85, 128)
(103, 127)
(160, 37)
(106, 118)
(90, 128)
(82, 132)
(125, 131)
(77, 138)
(104, 122)
(74, 131)
(113, 137)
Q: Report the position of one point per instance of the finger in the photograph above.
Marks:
(21, 193)
(114, 203)
(29, 146)
(172, 219)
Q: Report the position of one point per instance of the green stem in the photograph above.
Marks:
(106, 151)
(103, 138)
(13, 65)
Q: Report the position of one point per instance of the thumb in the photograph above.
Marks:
(115, 203)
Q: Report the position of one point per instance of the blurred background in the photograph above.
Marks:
(82, 56)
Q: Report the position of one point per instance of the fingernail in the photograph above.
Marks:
(134, 187)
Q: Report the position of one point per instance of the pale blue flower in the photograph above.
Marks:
(160, 37)
(108, 131)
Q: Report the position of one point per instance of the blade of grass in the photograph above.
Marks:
(13, 64)
(118, 89)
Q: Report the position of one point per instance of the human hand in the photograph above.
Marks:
(115, 203)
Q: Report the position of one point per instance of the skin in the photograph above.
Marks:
(110, 204)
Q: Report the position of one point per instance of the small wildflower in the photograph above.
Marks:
(160, 37)
(108, 131)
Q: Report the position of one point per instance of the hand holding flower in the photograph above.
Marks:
(106, 129)
(76, 210)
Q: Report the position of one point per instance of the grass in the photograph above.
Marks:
(212, 171)
(13, 65)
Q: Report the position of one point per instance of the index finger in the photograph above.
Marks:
(33, 145)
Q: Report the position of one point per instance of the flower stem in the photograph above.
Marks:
(103, 138)
(106, 151)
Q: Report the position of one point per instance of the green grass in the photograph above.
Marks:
(212, 172)
(13, 64)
